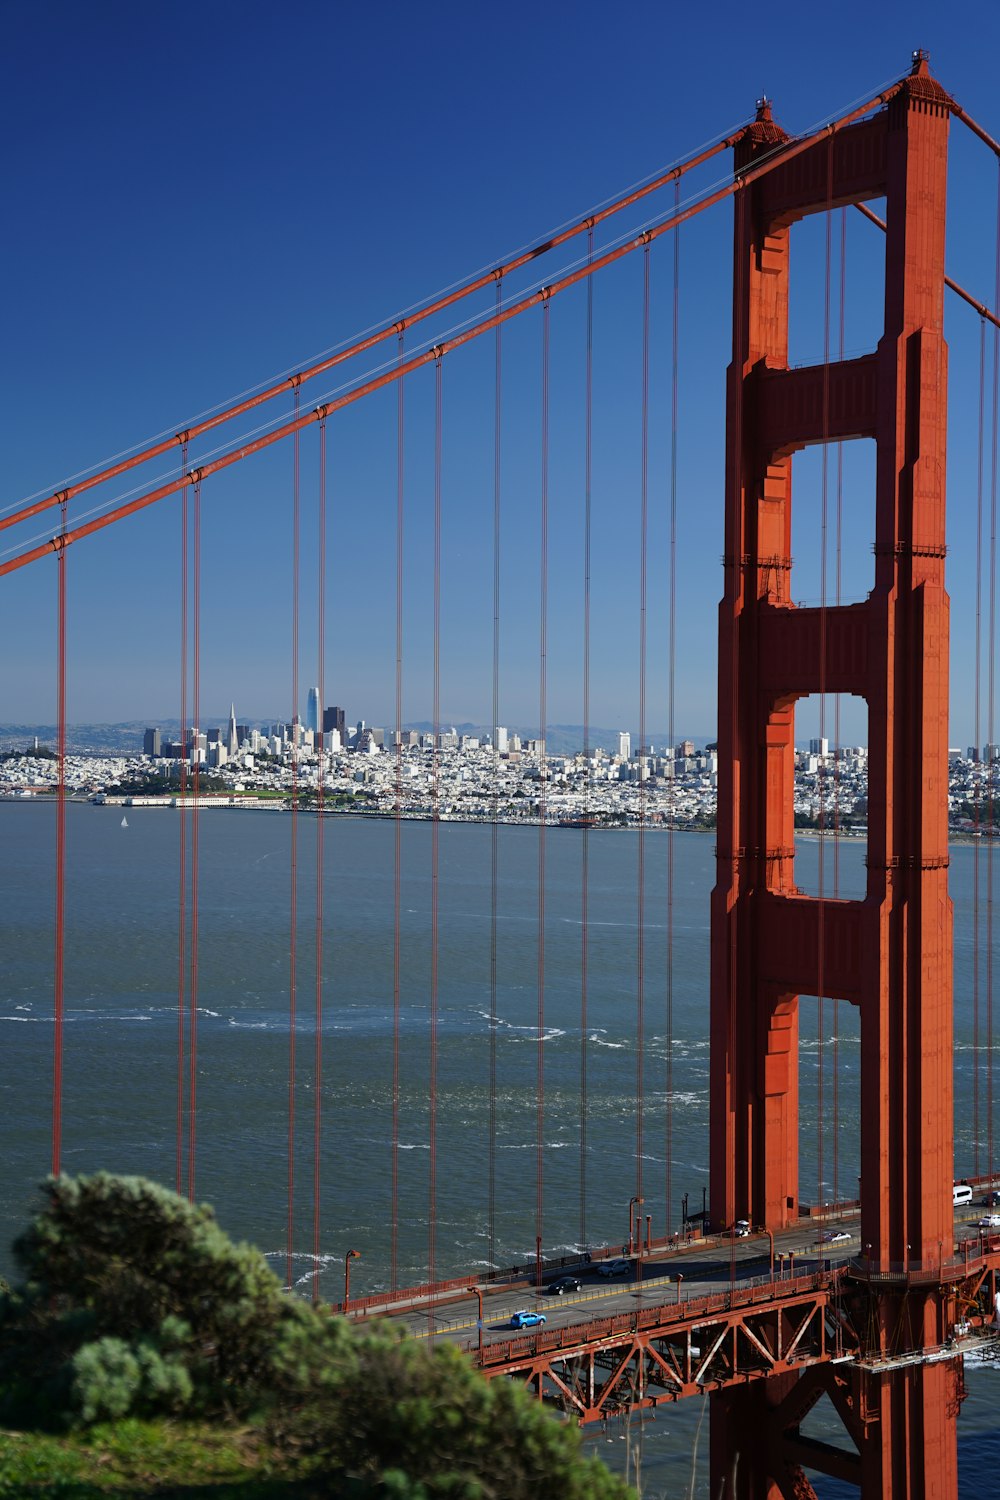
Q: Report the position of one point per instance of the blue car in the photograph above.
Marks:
(526, 1319)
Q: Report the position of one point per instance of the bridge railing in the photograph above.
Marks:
(484, 1279)
(640, 1319)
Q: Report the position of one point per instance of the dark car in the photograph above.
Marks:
(564, 1284)
(991, 1199)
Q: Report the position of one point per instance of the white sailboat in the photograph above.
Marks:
(124, 822)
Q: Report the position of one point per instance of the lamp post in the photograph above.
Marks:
(351, 1255)
(477, 1292)
(680, 1278)
(770, 1236)
(633, 1203)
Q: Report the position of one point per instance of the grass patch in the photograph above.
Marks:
(151, 1459)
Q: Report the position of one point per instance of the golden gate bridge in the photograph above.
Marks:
(880, 1333)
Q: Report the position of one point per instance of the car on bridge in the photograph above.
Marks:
(563, 1284)
(525, 1319)
(837, 1237)
(989, 1221)
(991, 1198)
(614, 1267)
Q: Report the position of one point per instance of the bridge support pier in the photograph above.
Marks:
(890, 953)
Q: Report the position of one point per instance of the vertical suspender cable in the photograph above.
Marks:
(182, 843)
(195, 786)
(640, 895)
(397, 827)
(978, 792)
(293, 884)
(543, 611)
(320, 839)
(585, 846)
(435, 836)
(60, 912)
(838, 546)
(822, 778)
(992, 685)
(739, 572)
(494, 820)
(671, 705)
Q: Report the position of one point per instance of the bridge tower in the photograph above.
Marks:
(890, 954)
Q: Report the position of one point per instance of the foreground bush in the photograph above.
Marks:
(136, 1304)
(415, 1423)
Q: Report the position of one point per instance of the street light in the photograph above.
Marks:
(770, 1236)
(633, 1203)
(477, 1292)
(351, 1255)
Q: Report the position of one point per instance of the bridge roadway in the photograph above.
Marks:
(694, 1270)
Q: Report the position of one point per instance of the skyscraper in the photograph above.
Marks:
(624, 744)
(232, 738)
(334, 718)
(312, 710)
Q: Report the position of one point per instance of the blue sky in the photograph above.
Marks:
(200, 197)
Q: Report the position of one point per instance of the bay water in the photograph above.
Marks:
(120, 1086)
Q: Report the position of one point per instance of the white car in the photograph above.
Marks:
(614, 1268)
(989, 1221)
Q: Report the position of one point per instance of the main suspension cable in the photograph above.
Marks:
(541, 294)
(293, 381)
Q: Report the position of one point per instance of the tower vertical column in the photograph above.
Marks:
(751, 775)
(890, 954)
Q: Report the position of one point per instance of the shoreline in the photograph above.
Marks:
(281, 804)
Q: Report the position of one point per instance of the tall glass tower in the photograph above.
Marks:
(312, 710)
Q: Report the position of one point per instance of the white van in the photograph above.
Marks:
(961, 1193)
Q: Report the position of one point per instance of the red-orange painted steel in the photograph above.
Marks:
(891, 953)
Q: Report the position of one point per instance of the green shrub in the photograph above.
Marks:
(117, 1264)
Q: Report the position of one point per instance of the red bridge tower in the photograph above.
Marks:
(890, 953)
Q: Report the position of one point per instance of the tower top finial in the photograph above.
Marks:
(921, 60)
(764, 110)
